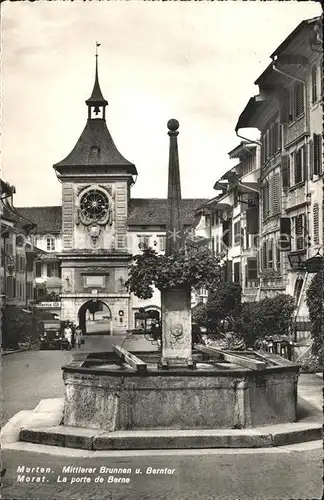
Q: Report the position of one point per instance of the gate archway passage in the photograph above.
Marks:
(95, 318)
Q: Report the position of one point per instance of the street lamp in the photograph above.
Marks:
(315, 264)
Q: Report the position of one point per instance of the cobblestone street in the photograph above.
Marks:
(28, 377)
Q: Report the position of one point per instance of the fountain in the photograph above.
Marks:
(183, 387)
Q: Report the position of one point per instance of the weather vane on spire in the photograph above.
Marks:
(97, 45)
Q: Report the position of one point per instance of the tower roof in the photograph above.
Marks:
(96, 147)
(96, 97)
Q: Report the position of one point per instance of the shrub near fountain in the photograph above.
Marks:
(182, 387)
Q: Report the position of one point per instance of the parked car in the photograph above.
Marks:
(51, 336)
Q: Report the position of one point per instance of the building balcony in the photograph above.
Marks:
(294, 130)
(296, 196)
(251, 285)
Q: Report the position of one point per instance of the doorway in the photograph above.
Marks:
(95, 318)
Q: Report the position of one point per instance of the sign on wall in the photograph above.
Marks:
(49, 305)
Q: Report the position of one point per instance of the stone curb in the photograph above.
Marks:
(6, 353)
(87, 439)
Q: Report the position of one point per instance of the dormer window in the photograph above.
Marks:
(50, 244)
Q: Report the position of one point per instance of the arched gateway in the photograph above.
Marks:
(94, 317)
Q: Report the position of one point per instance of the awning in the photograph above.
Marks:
(248, 187)
(248, 118)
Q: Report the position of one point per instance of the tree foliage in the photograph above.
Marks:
(225, 302)
(16, 326)
(267, 318)
(314, 301)
(193, 269)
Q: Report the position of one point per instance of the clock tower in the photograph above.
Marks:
(96, 181)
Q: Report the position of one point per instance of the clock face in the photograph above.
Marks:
(94, 205)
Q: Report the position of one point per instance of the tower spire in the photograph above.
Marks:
(96, 102)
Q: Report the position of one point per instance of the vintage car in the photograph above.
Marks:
(51, 335)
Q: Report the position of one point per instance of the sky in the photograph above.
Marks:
(193, 61)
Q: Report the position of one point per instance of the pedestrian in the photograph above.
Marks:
(78, 337)
(68, 334)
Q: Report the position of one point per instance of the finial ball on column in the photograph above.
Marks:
(173, 125)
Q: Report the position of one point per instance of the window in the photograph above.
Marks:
(161, 240)
(298, 166)
(237, 233)
(264, 255)
(285, 170)
(300, 231)
(53, 270)
(274, 194)
(237, 272)
(265, 192)
(252, 269)
(143, 241)
(270, 254)
(227, 233)
(278, 257)
(316, 223)
(314, 84)
(38, 269)
(298, 100)
(50, 244)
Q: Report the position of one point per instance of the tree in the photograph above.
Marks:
(314, 301)
(16, 326)
(267, 318)
(192, 269)
(225, 302)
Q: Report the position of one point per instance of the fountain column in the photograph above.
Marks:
(175, 301)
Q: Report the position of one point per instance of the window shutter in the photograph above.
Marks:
(264, 255)
(311, 158)
(316, 223)
(252, 220)
(299, 99)
(276, 194)
(285, 171)
(284, 242)
(305, 166)
(317, 153)
(299, 232)
(229, 270)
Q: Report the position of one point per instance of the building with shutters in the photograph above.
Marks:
(231, 220)
(17, 253)
(268, 217)
(288, 113)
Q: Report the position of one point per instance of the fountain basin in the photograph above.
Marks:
(102, 392)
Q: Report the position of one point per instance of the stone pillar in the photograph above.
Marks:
(176, 327)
